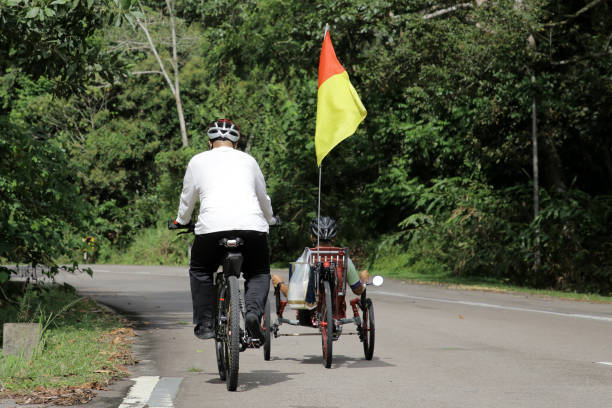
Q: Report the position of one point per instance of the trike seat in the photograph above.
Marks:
(337, 257)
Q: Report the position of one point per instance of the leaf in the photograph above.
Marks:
(33, 12)
(49, 12)
(138, 14)
(4, 276)
(59, 2)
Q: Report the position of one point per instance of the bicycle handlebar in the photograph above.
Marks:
(277, 221)
(173, 225)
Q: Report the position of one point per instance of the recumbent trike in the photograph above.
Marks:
(328, 275)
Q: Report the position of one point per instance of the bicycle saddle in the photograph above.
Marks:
(231, 242)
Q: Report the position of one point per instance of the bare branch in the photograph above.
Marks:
(447, 10)
(143, 27)
(581, 58)
(576, 14)
(145, 72)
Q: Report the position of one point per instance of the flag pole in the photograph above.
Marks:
(319, 212)
(319, 195)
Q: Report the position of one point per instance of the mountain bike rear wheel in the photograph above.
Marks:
(232, 335)
(220, 330)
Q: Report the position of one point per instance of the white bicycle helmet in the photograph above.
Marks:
(223, 129)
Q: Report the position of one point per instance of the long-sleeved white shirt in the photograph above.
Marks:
(231, 190)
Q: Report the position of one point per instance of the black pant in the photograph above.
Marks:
(207, 255)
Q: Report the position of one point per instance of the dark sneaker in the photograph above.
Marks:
(204, 331)
(253, 325)
(305, 317)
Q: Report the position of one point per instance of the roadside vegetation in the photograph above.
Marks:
(441, 179)
(82, 348)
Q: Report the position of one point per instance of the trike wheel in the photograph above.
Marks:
(232, 335)
(367, 327)
(267, 327)
(326, 324)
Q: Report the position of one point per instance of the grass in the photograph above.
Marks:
(152, 246)
(425, 271)
(83, 346)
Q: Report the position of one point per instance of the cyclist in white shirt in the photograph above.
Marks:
(233, 202)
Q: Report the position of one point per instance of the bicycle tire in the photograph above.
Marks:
(267, 327)
(368, 329)
(232, 338)
(220, 335)
(327, 337)
(220, 359)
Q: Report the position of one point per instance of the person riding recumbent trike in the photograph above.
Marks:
(317, 289)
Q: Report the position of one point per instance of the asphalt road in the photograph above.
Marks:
(435, 347)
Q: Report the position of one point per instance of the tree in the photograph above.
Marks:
(45, 48)
(173, 83)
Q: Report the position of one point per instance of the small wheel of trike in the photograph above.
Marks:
(367, 329)
(326, 324)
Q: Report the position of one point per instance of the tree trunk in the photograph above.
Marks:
(554, 168)
(174, 87)
(536, 173)
(177, 89)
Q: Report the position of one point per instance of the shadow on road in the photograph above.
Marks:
(339, 361)
(255, 379)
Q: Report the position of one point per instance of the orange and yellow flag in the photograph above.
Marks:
(339, 109)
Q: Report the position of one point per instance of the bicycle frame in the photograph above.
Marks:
(232, 266)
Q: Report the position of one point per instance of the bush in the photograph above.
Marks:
(471, 230)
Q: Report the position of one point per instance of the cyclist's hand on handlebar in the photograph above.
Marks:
(276, 221)
(173, 224)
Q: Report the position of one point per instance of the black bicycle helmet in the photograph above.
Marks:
(223, 129)
(324, 227)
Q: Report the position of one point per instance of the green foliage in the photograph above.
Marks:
(39, 201)
(571, 234)
(46, 48)
(58, 39)
(152, 246)
(468, 229)
(438, 175)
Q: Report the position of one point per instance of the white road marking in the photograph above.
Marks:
(152, 392)
(164, 393)
(604, 363)
(493, 306)
(139, 394)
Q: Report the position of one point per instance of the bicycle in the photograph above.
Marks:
(329, 314)
(231, 336)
